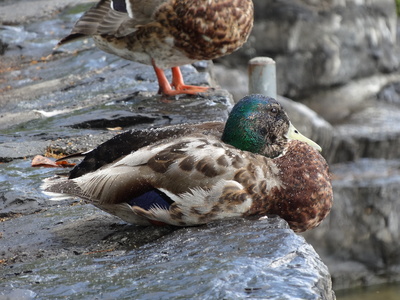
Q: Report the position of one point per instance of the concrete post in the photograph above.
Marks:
(262, 76)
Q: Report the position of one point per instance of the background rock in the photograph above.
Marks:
(319, 44)
(11, 12)
(360, 239)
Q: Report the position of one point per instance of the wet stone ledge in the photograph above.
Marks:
(223, 260)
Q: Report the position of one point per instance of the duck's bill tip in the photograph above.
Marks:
(294, 134)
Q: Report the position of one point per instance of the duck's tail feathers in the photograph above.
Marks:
(74, 155)
(69, 38)
(60, 188)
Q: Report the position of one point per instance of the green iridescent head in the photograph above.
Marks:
(259, 124)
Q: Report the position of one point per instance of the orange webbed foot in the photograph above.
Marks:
(190, 89)
(178, 86)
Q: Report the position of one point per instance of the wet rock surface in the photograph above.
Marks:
(223, 260)
(73, 99)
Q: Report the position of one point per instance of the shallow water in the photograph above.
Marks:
(20, 187)
(378, 292)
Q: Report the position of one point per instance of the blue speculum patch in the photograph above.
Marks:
(151, 199)
(119, 5)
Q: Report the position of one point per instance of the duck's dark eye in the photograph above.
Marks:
(274, 110)
(263, 131)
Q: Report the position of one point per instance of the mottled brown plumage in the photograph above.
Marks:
(167, 33)
(193, 176)
(305, 179)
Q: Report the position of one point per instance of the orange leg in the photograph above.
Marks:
(177, 82)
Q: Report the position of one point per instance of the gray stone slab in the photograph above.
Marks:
(222, 260)
(23, 149)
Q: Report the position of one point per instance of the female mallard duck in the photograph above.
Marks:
(192, 174)
(167, 33)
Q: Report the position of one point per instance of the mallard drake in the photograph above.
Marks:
(167, 33)
(255, 165)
